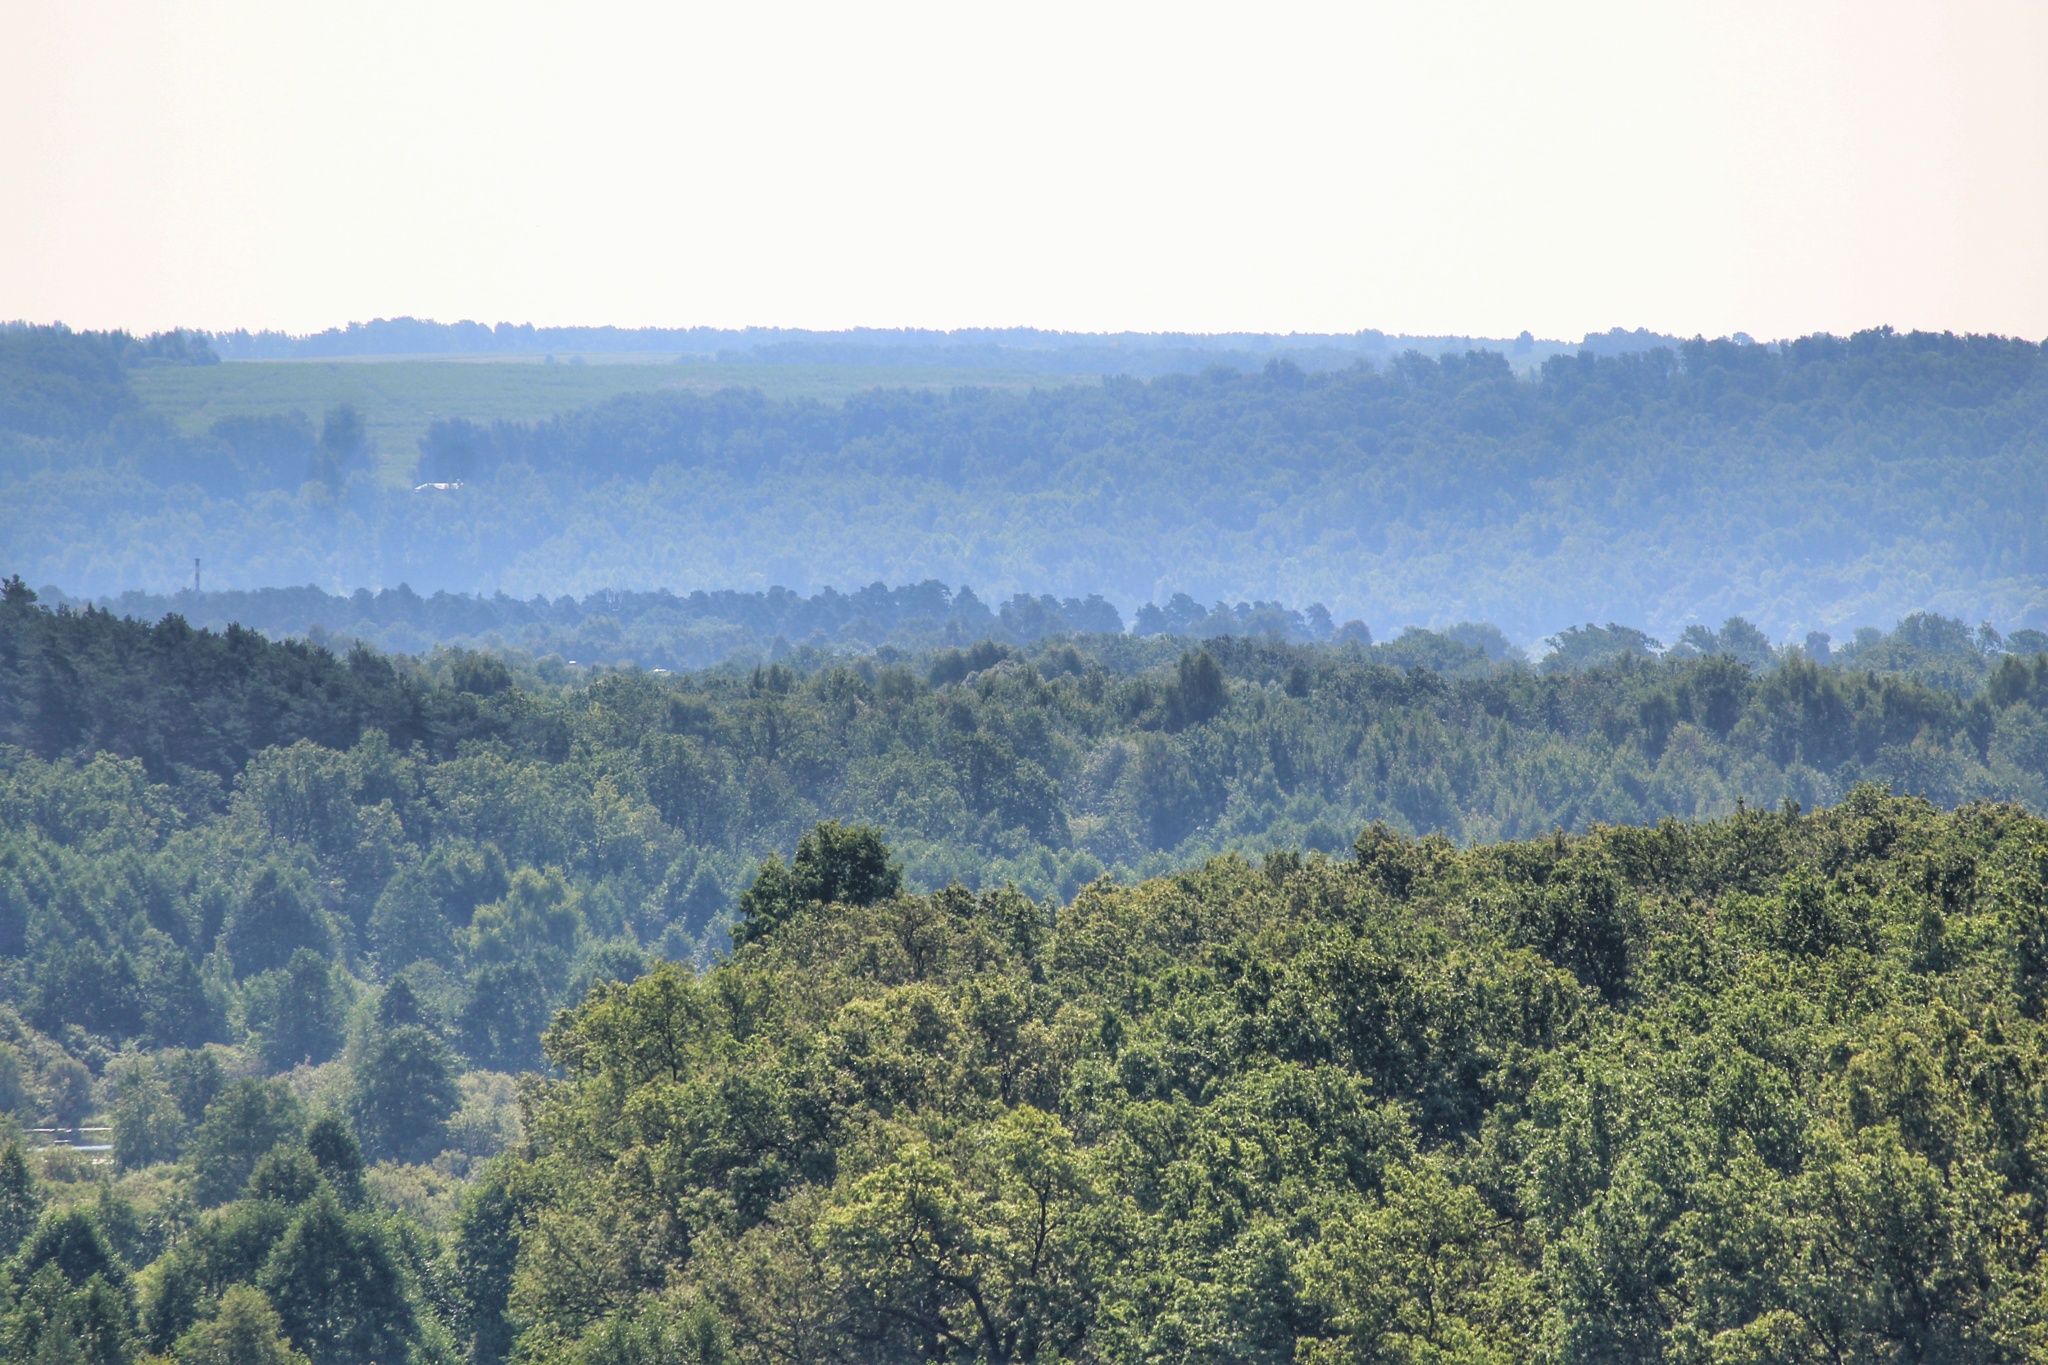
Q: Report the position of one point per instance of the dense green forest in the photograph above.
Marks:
(675, 631)
(661, 630)
(1826, 483)
(1764, 1089)
(1072, 1017)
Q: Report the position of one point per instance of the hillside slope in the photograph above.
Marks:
(1829, 483)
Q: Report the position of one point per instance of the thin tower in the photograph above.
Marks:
(195, 575)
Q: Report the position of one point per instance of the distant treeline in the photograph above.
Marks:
(665, 630)
(58, 383)
(192, 809)
(699, 629)
(1076, 751)
(1079, 353)
(1825, 484)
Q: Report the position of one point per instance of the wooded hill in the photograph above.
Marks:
(292, 923)
(1759, 1089)
(1763, 1089)
(1827, 483)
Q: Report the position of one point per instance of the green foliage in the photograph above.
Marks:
(193, 1077)
(226, 1246)
(55, 382)
(502, 1019)
(338, 1291)
(401, 1092)
(419, 912)
(67, 1085)
(286, 1175)
(278, 916)
(69, 1241)
(835, 864)
(297, 1013)
(149, 1126)
(54, 1320)
(240, 1127)
(341, 447)
(976, 1086)
(1759, 1088)
(245, 1331)
(505, 849)
(98, 993)
(21, 1203)
(338, 1155)
(1589, 645)
(486, 1250)
(1197, 693)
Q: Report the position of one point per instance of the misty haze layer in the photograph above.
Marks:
(1827, 483)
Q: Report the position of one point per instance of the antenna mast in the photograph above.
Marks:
(195, 575)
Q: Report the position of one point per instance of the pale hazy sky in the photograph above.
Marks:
(1473, 168)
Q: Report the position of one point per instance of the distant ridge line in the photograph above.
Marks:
(963, 347)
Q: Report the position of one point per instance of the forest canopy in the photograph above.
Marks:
(1756, 1089)
(1021, 998)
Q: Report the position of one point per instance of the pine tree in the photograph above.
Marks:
(403, 1090)
(486, 1247)
(247, 1119)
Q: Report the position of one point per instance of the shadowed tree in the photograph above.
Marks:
(338, 1292)
(247, 1119)
(835, 864)
(401, 1092)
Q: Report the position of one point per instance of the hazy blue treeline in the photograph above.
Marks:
(1826, 484)
(1079, 353)
(63, 384)
(671, 630)
(703, 629)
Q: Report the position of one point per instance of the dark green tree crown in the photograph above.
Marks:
(835, 864)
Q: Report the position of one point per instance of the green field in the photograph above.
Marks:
(400, 397)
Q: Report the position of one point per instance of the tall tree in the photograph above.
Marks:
(244, 1122)
(401, 1092)
(337, 1289)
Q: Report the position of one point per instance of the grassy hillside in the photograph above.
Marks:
(399, 398)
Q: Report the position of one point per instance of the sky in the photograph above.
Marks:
(1433, 168)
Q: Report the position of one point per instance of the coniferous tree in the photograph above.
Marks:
(298, 1013)
(340, 1159)
(835, 864)
(486, 1253)
(286, 1175)
(504, 1016)
(278, 915)
(245, 1331)
(70, 1240)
